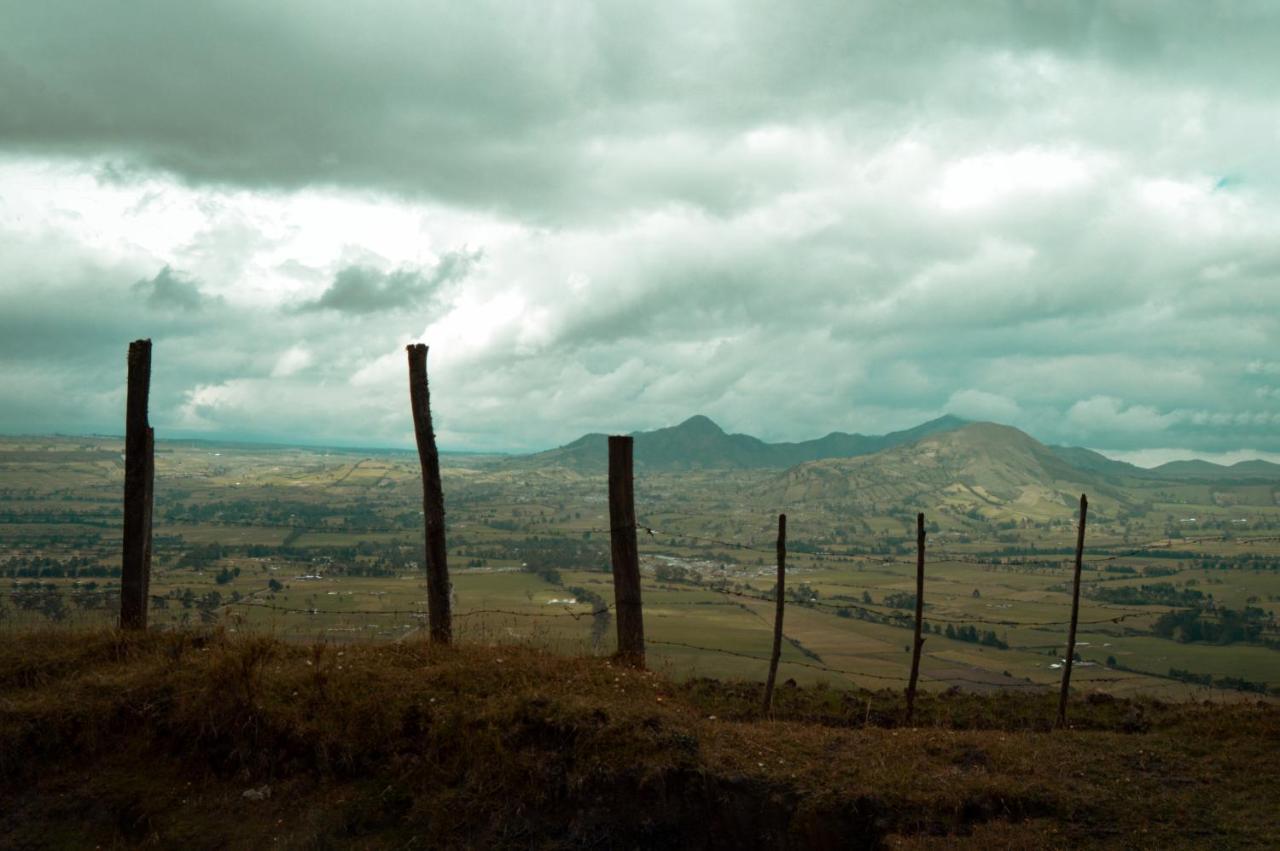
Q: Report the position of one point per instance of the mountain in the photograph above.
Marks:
(1096, 462)
(698, 443)
(994, 470)
(1198, 470)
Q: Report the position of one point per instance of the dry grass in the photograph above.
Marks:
(117, 740)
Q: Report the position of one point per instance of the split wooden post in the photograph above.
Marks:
(780, 603)
(440, 619)
(1075, 614)
(626, 555)
(919, 642)
(139, 475)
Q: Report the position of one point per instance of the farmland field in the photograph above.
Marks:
(327, 544)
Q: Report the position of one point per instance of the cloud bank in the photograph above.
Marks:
(794, 219)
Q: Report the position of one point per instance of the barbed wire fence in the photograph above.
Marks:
(134, 602)
(39, 598)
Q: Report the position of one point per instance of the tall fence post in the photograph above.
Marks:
(440, 620)
(139, 474)
(1075, 614)
(626, 555)
(919, 642)
(781, 594)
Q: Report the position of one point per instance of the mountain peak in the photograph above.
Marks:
(700, 424)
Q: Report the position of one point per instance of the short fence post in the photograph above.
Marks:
(440, 620)
(1075, 614)
(919, 642)
(626, 555)
(781, 594)
(139, 474)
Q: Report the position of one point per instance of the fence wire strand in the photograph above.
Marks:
(646, 531)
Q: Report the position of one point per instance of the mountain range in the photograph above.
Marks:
(699, 443)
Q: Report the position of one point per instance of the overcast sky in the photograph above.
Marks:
(792, 217)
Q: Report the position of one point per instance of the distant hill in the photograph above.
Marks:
(982, 469)
(1096, 462)
(994, 470)
(698, 443)
(1198, 470)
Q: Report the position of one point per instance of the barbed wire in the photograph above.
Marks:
(413, 612)
(941, 555)
(42, 591)
(853, 606)
(834, 670)
(836, 605)
(650, 531)
(840, 604)
(662, 642)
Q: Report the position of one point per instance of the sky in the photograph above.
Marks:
(791, 217)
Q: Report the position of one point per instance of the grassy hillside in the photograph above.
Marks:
(995, 471)
(202, 741)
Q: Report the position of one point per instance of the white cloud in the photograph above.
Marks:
(1103, 414)
(981, 405)
(996, 178)
(292, 360)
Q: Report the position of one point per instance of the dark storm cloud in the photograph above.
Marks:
(169, 290)
(565, 109)
(362, 289)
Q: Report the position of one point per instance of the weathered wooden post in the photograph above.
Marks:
(139, 474)
(779, 604)
(626, 555)
(919, 642)
(150, 503)
(440, 620)
(1075, 614)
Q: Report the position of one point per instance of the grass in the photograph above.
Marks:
(114, 740)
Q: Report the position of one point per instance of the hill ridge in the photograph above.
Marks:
(982, 469)
(698, 442)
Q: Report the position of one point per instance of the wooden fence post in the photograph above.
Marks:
(139, 473)
(781, 594)
(626, 555)
(919, 642)
(151, 505)
(440, 619)
(1075, 614)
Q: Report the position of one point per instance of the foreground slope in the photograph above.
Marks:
(204, 741)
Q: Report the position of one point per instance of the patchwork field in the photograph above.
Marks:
(326, 544)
